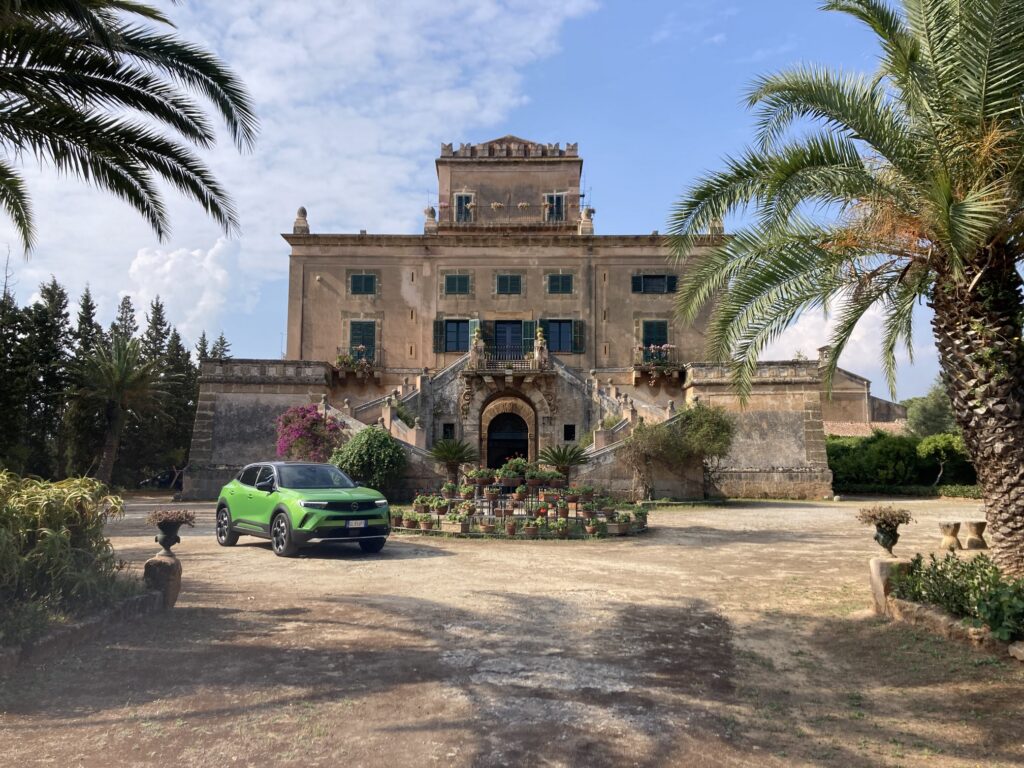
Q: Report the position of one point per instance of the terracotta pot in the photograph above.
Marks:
(446, 494)
(487, 528)
(533, 482)
(419, 509)
(426, 525)
(492, 496)
(550, 498)
(586, 497)
(484, 480)
(468, 496)
(510, 529)
(557, 483)
(408, 523)
(563, 512)
(587, 514)
(531, 531)
(590, 529)
(572, 498)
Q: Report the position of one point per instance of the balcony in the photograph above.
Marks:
(360, 360)
(533, 217)
(655, 362)
(513, 358)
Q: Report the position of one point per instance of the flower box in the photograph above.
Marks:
(452, 527)
(618, 529)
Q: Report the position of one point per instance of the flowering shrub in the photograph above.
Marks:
(304, 435)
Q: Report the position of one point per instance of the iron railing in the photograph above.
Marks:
(498, 357)
(360, 356)
(657, 355)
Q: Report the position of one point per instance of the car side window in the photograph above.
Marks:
(248, 476)
(266, 473)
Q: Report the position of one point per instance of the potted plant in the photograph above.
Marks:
(607, 505)
(510, 526)
(618, 523)
(640, 514)
(532, 527)
(448, 490)
(492, 493)
(517, 469)
(467, 491)
(586, 492)
(396, 518)
(487, 525)
(426, 522)
(420, 504)
(550, 495)
(887, 519)
(542, 509)
(593, 527)
(555, 479)
(534, 477)
(521, 492)
(588, 511)
(563, 509)
(481, 476)
(455, 522)
(561, 528)
(168, 521)
(439, 504)
(507, 477)
(572, 494)
(411, 521)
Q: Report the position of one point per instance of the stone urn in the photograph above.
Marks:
(167, 537)
(975, 537)
(886, 536)
(950, 542)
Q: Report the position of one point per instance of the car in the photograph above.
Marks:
(298, 503)
(169, 478)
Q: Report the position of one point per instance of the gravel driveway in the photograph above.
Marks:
(725, 636)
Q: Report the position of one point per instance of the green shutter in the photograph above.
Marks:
(529, 332)
(473, 326)
(638, 283)
(487, 331)
(578, 341)
(547, 331)
(439, 335)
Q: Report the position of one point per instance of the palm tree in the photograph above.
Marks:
(119, 383)
(563, 457)
(453, 454)
(883, 191)
(88, 86)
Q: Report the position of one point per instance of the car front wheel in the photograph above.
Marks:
(281, 536)
(225, 536)
(372, 545)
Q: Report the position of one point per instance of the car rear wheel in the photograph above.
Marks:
(225, 536)
(281, 536)
(372, 545)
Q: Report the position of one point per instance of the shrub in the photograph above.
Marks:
(54, 558)
(304, 435)
(946, 491)
(373, 457)
(896, 460)
(887, 516)
(972, 589)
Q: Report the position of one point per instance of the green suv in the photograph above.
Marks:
(294, 503)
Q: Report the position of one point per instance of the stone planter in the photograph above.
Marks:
(886, 536)
(167, 537)
(449, 527)
(531, 531)
(618, 529)
(950, 542)
(975, 537)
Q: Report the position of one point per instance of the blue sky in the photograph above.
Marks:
(356, 96)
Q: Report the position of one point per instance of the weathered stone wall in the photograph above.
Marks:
(607, 470)
(885, 410)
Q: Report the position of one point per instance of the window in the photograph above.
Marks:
(248, 476)
(464, 208)
(655, 283)
(456, 335)
(655, 333)
(510, 285)
(569, 433)
(456, 285)
(266, 473)
(448, 431)
(554, 207)
(362, 339)
(560, 335)
(363, 284)
(560, 284)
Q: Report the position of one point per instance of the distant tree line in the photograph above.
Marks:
(64, 384)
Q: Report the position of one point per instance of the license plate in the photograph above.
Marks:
(356, 523)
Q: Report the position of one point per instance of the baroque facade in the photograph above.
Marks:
(510, 324)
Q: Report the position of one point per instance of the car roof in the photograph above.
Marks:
(288, 464)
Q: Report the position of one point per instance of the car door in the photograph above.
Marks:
(262, 503)
(239, 496)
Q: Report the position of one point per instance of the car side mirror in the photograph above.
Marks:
(358, 483)
(266, 485)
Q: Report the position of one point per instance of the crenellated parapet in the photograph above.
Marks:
(509, 146)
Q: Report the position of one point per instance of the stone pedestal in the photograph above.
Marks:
(975, 537)
(950, 542)
(163, 573)
(882, 570)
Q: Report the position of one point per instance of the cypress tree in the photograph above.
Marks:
(154, 339)
(202, 349)
(88, 333)
(124, 324)
(14, 379)
(221, 349)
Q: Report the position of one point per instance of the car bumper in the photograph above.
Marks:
(341, 533)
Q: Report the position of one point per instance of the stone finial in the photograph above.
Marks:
(301, 225)
(430, 220)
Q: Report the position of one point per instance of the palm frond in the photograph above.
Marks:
(14, 200)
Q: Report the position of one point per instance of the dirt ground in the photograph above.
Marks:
(726, 636)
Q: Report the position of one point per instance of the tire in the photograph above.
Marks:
(225, 536)
(372, 546)
(281, 536)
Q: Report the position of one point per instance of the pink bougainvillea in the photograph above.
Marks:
(304, 435)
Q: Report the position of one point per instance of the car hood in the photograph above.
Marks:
(334, 494)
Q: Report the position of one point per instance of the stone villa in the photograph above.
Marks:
(509, 323)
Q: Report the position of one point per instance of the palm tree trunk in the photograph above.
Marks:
(111, 442)
(978, 334)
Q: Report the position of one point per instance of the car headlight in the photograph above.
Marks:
(381, 502)
(313, 504)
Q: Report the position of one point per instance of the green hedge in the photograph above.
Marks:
(54, 559)
(373, 457)
(884, 459)
(969, 589)
(945, 491)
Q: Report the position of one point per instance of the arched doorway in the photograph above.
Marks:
(507, 435)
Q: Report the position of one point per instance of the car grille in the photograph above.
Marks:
(349, 533)
(350, 506)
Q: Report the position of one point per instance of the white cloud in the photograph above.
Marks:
(354, 98)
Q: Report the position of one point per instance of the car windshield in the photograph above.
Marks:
(313, 476)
